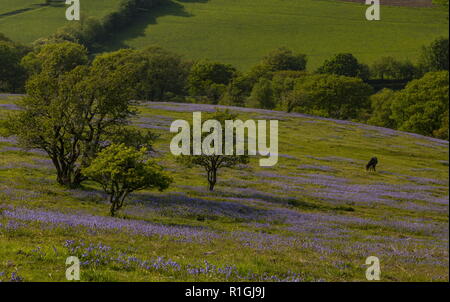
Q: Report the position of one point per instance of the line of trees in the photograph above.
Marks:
(78, 110)
(92, 31)
(79, 113)
(341, 87)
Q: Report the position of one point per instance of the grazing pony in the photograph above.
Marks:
(372, 164)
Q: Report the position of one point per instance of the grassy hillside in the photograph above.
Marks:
(240, 32)
(317, 215)
(27, 20)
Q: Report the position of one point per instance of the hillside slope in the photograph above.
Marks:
(317, 215)
(28, 20)
(241, 32)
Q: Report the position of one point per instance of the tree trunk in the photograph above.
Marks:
(212, 179)
(113, 202)
(112, 210)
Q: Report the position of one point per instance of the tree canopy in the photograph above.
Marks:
(422, 107)
(329, 95)
(121, 170)
(344, 64)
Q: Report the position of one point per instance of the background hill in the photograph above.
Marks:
(28, 20)
(316, 215)
(240, 32)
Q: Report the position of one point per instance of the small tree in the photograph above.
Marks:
(121, 170)
(213, 163)
(435, 56)
(284, 59)
(344, 64)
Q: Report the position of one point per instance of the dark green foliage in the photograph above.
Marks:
(435, 56)
(91, 32)
(422, 107)
(381, 112)
(55, 59)
(71, 113)
(329, 95)
(209, 80)
(284, 59)
(344, 64)
(392, 69)
(262, 95)
(12, 74)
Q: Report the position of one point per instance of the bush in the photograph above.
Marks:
(344, 64)
(329, 95)
(284, 59)
(422, 107)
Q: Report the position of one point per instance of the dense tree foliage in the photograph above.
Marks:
(12, 74)
(329, 95)
(209, 80)
(262, 95)
(279, 81)
(91, 32)
(55, 59)
(284, 59)
(70, 113)
(344, 64)
(422, 107)
(121, 170)
(435, 56)
(381, 111)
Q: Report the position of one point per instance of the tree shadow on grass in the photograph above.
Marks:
(138, 27)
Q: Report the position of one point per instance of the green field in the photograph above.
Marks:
(240, 32)
(315, 216)
(41, 21)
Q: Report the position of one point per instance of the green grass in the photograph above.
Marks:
(240, 32)
(410, 236)
(41, 21)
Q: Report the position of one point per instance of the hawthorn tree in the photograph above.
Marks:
(72, 113)
(121, 170)
(214, 162)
